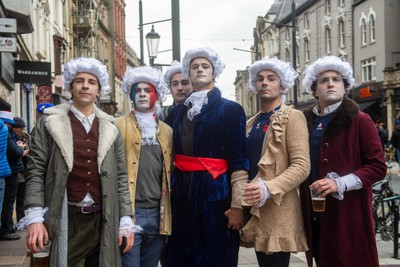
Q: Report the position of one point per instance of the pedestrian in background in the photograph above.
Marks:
(76, 185)
(210, 160)
(15, 152)
(148, 149)
(41, 107)
(22, 138)
(346, 160)
(278, 149)
(5, 170)
(179, 87)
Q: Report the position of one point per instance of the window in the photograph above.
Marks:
(287, 33)
(342, 36)
(363, 32)
(368, 68)
(287, 55)
(372, 28)
(327, 7)
(328, 44)
(306, 51)
(306, 21)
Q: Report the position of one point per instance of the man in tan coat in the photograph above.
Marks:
(277, 144)
(148, 149)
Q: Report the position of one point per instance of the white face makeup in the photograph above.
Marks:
(144, 97)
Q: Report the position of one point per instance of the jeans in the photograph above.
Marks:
(2, 189)
(149, 244)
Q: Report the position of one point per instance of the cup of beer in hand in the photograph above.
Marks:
(41, 258)
(318, 202)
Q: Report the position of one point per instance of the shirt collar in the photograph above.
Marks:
(327, 110)
(81, 117)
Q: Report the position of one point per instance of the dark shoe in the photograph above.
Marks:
(9, 237)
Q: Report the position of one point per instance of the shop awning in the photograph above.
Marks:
(365, 105)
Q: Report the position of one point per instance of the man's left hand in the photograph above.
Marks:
(129, 240)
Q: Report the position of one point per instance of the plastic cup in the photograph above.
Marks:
(42, 258)
(318, 202)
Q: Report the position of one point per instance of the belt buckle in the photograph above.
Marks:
(86, 212)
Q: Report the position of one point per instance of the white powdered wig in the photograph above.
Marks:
(176, 67)
(89, 65)
(205, 52)
(286, 73)
(144, 74)
(328, 63)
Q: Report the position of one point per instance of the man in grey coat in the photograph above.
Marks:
(76, 186)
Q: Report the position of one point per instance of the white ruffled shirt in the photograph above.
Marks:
(197, 99)
(148, 125)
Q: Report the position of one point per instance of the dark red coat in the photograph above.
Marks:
(350, 145)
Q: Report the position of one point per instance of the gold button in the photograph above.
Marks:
(88, 161)
(88, 150)
(87, 184)
(89, 172)
(87, 140)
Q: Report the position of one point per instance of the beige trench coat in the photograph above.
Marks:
(277, 226)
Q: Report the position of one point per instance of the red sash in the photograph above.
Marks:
(215, 167)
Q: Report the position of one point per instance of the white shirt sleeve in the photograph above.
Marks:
(348, 182)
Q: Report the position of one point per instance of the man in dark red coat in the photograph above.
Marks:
(346, 159)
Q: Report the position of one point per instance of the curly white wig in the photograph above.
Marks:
(286, 73)
(205, 52)
(176, 67)
(89, 65)
(325, 64)
(144, 74)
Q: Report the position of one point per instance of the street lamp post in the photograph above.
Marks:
(294, 46)
(152, 40)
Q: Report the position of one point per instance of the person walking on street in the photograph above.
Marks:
(278, 151)
(5, 170)
(346, 160)
(15, 152)
(179, 87)
(76, 185)
(210, 160)
(148, 149)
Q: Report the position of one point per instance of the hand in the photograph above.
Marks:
(36, 235)
(130, 240)
(325, 186)
(252, 194)
(235, 218)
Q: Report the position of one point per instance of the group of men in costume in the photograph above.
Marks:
(169, 190)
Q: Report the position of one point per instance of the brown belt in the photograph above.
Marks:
(84, 209)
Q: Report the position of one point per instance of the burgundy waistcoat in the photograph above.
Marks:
(84, 176)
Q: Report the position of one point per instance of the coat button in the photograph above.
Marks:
(104, 196)
(104, 220)
(325, 161)
(326, 145)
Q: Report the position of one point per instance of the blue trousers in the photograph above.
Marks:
(149, 244)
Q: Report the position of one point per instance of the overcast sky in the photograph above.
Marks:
(219, 24)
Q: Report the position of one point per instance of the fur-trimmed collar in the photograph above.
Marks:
(58, 124)
(342, 117)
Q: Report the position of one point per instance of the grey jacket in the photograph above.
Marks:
(49, 164)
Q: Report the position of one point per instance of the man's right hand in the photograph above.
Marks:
(36, 235)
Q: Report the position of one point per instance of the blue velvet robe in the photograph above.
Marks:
(200, 236)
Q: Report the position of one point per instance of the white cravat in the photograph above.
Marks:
(148, 125)
(197, 99)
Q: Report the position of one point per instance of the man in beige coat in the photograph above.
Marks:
(277, 143)
(148, 149)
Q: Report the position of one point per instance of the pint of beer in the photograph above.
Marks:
(41, 258)
(318, 202)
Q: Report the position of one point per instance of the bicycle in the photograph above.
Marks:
(383, 206)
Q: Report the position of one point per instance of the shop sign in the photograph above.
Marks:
(368, 92)
(8, 44)
(8, 25)
(44, 94)
(32, 72)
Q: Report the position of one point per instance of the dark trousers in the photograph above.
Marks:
(10, 193)
(20, 201)
(84, 236)
(278, 259)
